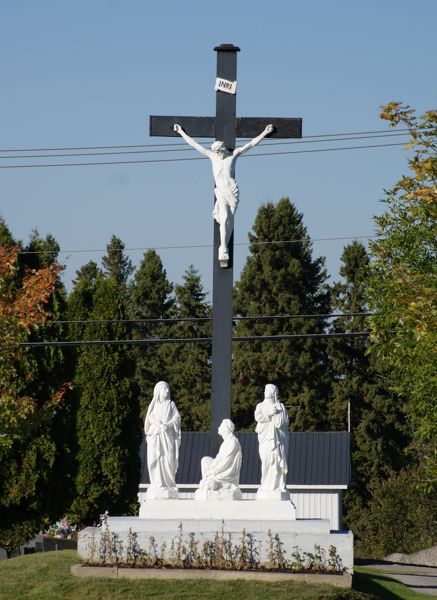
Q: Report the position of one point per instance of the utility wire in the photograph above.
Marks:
(144, 342)
(186, 148)
(66, 148)
(203, 319)
(164, 160)
(191, 246)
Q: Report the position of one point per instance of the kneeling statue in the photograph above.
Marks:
(221, 475)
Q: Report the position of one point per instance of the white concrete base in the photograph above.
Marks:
(162, 521)
(311, 502)
(217, 510)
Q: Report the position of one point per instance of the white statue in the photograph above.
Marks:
(272, 429)
(226, 188)
(162, 427)
(221, 475)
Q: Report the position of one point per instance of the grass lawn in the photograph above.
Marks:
(46, 576)
(373, 582)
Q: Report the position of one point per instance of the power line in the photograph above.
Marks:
(161, 145)
(191, 246)
(303, 241)
(164, 160)
(186, 148)
(322, 150)
(144, 342)
(203, 319)
(300, 336)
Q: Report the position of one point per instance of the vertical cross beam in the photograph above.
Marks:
(223, 278)
(225, 126)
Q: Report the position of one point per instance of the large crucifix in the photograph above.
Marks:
(225, 127)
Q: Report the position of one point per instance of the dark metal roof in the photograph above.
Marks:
(319, 458)
(314, 458)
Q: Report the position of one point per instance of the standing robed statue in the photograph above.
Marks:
(162, 427)
(272, 428)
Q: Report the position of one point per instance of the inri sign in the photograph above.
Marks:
(223, 85)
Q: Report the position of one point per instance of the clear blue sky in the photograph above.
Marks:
(89, 73)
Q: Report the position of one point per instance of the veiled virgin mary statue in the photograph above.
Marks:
(162, 427)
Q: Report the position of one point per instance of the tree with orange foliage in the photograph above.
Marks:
(403, 286)
(27, 448)
(400, 516)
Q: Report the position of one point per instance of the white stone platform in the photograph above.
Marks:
(162, 521)
(210, 510)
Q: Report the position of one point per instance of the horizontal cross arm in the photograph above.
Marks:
(249, 127)
(245, 127)
(194, 126)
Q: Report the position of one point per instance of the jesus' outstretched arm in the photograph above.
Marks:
(254, 142)
(190, 140)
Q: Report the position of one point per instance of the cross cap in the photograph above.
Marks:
(227, 48)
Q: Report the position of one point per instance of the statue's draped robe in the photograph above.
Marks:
(225, 467)
(273, 446)
(226, 188)
(162, 446)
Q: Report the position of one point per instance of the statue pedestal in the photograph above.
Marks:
(165, 520)
(230, 494)
(275, 495)
(162, 494)
(234, 511)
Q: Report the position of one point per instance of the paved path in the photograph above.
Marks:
(419, 579)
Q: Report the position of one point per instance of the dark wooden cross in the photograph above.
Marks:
(226, 127)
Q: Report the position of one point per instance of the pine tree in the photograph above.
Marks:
(281, 278)
(116, 264)
(350, 362)
(187, 367)
(7, 241)
(54, 369)
(80, 303)
(108, 423)
(150, 298)
(87, 274)
(378, 430)
(6, 237)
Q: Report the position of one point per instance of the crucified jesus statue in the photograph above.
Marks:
(226, 188)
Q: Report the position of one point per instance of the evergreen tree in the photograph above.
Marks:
(378, 429)
(187, 367)
(80, 305)
(40, 252)
(54, 369)
(116, 264)
(281, 278)
(150, 298)
(87, 274)
(349, 359)
(6, 237)
(7, 242)
(81, 302)
(108, 424)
